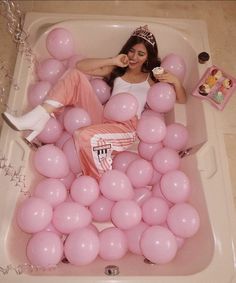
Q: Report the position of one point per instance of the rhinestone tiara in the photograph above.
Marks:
(144, 33)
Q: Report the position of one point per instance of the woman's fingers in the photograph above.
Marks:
(167, 78)
(125, 60)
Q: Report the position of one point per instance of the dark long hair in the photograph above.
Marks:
(151, 62)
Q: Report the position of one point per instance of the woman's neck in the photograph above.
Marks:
(134, 72)
(135, 76)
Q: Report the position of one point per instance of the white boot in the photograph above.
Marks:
(34, 120)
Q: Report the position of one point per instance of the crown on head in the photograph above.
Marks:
(144, 33)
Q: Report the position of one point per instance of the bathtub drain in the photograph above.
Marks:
(147, 261)
(65, 260)
(112, 270)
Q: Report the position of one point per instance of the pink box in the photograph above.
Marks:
(215, 86)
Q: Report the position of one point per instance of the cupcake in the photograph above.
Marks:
(158, 71)
(227, 83)
(218, 97)
(204, 89)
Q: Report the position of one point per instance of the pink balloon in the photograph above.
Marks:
(51, 190)
(37, 92)
(51, 161)
(50, 70)
(175, 186)
(147, 150)
(72, 156)
(101, 89)
(156, 192)
(180, 242)
(84, 190)
(51, 131)
(165, 226)
(101, 209)
(158, 244)
(68, 180)
(121, 107)
(161, 97)
(113, 244)
(122, 160)
(62, 139)
(141, 195)
(125, 214)
(93, 228)
(183, 220)
(155, 210)
(69, 199)
(134, 235)
(151, 129)
(166, 159)
(82, 246)
(60, 43)
(149, 112)
(33, 215)
(61, 114)
(156, 177)
(76, 118)
(174, 64)
(69, 216)
(140, 172)
(176, 136)
(115, 185)
(44, 249)
(51, 228)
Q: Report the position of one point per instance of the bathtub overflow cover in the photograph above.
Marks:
(112, 270)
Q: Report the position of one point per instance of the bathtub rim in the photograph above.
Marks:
(212, 118)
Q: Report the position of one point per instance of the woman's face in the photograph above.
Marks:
(137, 56)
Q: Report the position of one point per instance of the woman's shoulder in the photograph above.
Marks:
(118, 80)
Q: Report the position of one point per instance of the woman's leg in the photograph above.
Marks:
(96, 144)
(72, 89)
(75, 89)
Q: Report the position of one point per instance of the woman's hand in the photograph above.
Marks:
(167, 77)
(121, 60)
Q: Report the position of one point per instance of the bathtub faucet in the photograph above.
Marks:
(190, 150)
(185, 152)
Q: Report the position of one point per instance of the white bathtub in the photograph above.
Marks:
(209, 255)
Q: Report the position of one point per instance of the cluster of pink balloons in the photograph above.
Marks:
(143, 202)
(62, 55)
(148, 220)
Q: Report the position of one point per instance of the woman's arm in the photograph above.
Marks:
(101, 67)
(167, 77)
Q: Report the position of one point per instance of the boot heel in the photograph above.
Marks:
(32, 145)
(31, 136)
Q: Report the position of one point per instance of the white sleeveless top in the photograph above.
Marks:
(139, 90)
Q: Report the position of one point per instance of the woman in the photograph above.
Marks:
(130, 71)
